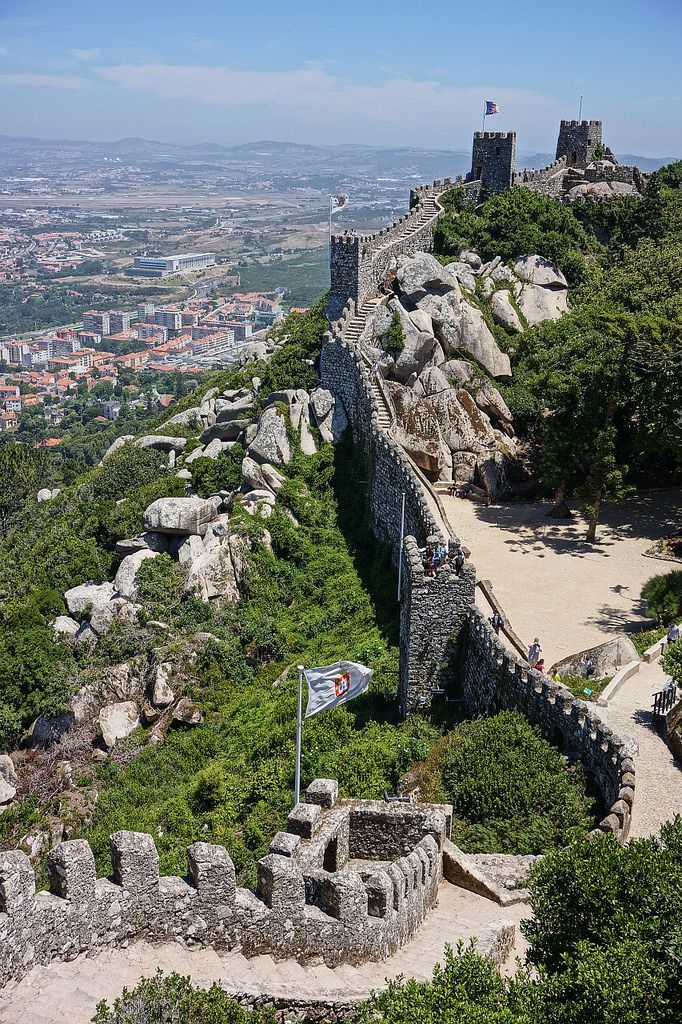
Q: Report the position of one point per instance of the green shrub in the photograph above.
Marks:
(10, 728)
(663, 596)
(126, 470)
(671, 662)
(160, 584)
(172, 999)
(511, 791)
(394, 338)
(222, 474)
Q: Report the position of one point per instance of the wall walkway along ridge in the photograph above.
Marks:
(445, 642)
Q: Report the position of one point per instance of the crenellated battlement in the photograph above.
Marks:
(311, 900)
(359, 262)
(582, 124)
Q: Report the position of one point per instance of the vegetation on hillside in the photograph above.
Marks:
(596, 391)
(511, 790)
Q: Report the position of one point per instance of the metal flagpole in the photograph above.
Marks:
(580, 109)
(402, 538)
(299, 723)
(484, 109)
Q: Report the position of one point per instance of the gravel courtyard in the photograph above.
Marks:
(554, 585)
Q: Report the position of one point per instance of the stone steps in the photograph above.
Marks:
(67, 993)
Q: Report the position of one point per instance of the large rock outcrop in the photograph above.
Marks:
(180, 515)
(271, 443)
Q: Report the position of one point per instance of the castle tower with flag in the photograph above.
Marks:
(493, 160)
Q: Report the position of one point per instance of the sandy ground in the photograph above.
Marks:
(554, 585)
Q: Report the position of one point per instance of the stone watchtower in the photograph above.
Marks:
(578, 141)
(493, 160)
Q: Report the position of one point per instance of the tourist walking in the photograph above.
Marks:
(674, 632)
(586, 667)
(534, 652)
(496, 621)
(458, 561)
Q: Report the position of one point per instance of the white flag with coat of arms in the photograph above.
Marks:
(335, 684)
(338, 202)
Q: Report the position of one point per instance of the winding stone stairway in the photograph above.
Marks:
(68, 992)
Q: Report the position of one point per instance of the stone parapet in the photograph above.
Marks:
(310, 902)
(358, 263)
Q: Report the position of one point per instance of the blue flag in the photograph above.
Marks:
(490, 108)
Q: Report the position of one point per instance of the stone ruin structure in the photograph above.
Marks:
(349, 881)
(581, 163)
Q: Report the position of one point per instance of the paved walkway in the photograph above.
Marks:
(658, 794)
(554, 585)
(67, 993)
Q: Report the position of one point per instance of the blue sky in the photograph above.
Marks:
(384, 72)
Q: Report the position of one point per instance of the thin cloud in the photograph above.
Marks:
(312, 93)
(87, 56)
(45, 81)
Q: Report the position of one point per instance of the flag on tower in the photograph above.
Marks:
(335, 684)
(337, 202)
(491, 108)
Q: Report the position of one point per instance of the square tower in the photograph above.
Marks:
(578, 141)
(493, 160)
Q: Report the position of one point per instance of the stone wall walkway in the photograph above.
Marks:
(659, 776)
(68, 993)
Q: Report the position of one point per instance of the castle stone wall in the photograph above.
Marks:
(445, 642)
(577, 142)
(360, 262)
(351, 920)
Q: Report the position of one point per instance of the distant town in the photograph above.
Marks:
(189, 336)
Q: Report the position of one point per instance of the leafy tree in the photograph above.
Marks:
(595, 902)
(607, 383)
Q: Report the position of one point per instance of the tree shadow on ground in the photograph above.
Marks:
(649, 515)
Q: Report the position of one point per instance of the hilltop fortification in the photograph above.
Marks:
(583, 166)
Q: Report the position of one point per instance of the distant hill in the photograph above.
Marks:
(286, 165)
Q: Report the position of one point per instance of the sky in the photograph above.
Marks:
(379, 72)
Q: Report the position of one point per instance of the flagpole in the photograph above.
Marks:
(484, 107)
(299, 723)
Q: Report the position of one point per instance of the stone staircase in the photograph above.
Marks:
(352, 333)
(68, 992)
(429, 208)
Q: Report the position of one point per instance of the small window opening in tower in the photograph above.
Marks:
(479, 171)
(497, 150)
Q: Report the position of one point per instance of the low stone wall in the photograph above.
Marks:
(304, 907)
(494, 679)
